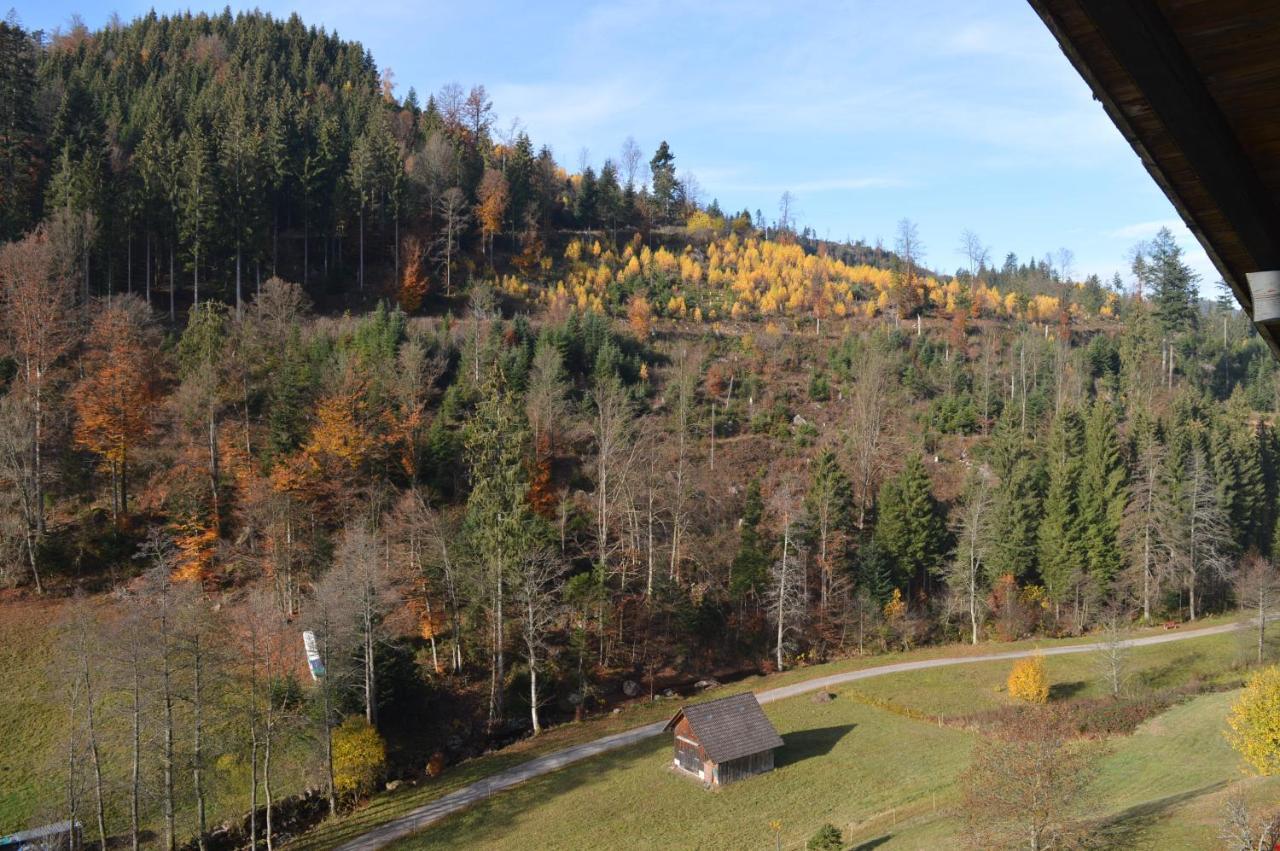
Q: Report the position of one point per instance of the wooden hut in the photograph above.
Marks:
(725, 740)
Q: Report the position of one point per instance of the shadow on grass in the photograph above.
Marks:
(1170, 673)
(872, 843)
(1066, 691)
(1124, 829)
(806, 744)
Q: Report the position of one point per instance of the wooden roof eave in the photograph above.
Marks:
(1051, 12)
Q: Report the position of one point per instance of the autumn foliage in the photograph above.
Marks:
(359, 757)
(1254, 722)
(115, 399)
(413, 279)
(1028, 680)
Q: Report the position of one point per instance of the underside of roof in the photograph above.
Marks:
(1194, 86)
(730, 727)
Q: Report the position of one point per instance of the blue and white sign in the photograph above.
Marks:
(313, 655)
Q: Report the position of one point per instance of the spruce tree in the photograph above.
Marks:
(1015, 521)
(1060, 539)
(911, 528)
(750, 569)
(19, 141)
(1173, 284)
(1103, 495)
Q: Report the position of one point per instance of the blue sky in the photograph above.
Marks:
(955, 115)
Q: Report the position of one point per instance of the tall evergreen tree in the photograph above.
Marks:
(911, 528)
(1103, 495)
(1061, 542)
(1173, 284)
(750, 569)
(19, 132)
(663, 169)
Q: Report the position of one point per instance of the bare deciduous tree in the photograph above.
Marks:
(1194, 531)
(538, 592)
(1243, 830)
(1257, 590)
(1112, 655)
(452, 210)
(965, 578)
(787, 598)
(869, 408)
(1025, 783)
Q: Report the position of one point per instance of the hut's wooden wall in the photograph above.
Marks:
(744, 767)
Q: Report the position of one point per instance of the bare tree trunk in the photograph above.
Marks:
(135, 768)
(173, 286)
(90, 721)
(167, 753)
(197, 753)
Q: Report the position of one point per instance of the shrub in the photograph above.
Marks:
(828, 838)
(1255, 722)
(359, 757)
(1028, 681)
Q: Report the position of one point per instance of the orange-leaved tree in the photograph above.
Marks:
(493, 205)
(413, 280)
(639, 316)
(115, 399)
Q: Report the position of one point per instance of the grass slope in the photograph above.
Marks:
(633, 799)
(386, 807)
(30, 730)
(888, 779)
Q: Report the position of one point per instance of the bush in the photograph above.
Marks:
(1028, 681)
(828, 838)
(359, 757)
(1255, 722)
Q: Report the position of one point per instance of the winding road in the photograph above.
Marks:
(417, 819)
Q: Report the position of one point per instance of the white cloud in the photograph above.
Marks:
(562, 111)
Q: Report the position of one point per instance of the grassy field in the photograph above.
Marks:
(887, 779)
(387, 806)
(32, 737)
(29, 732)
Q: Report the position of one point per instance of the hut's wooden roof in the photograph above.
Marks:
(1194, 86)
(729, 727)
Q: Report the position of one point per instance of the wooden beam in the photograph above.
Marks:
(1142, 41)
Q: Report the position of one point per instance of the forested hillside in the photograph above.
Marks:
(284, 352)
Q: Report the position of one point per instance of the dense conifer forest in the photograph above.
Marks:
(282, 350)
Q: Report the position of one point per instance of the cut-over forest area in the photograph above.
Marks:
(519, 443)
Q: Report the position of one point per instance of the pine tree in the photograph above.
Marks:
(199, 202)
(242, 172)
